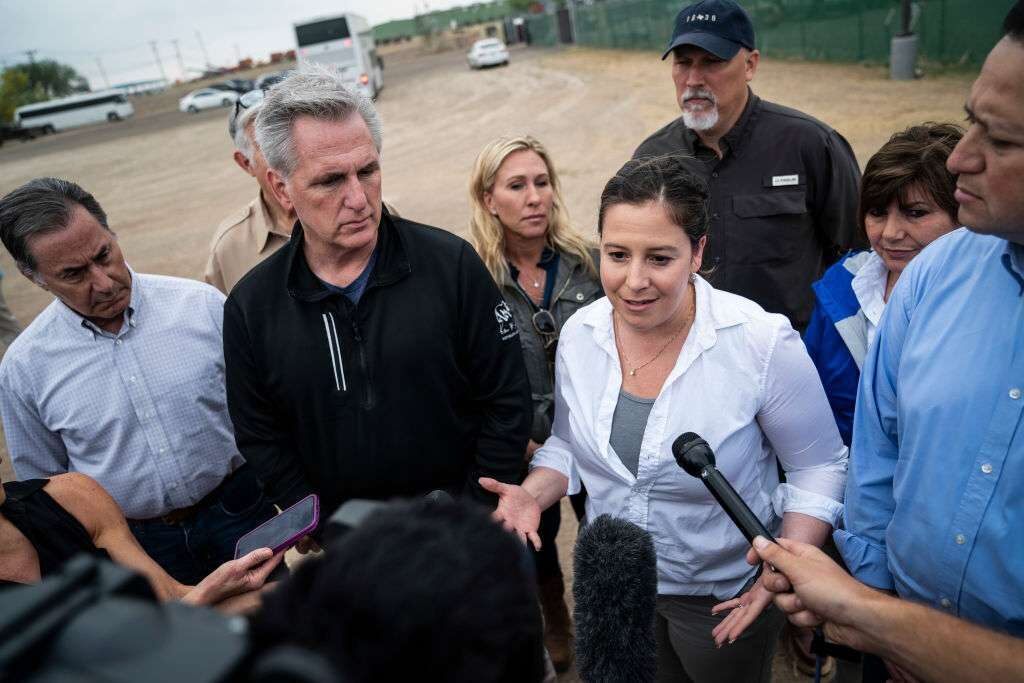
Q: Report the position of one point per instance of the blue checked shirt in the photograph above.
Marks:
(143, 411)
(935, 495)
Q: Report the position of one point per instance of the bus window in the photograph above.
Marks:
(321, 31)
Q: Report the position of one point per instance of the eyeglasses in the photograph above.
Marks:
(249, 99)
(544, 324)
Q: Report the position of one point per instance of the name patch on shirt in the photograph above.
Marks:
(785, 180)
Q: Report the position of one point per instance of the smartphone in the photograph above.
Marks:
(284, 530)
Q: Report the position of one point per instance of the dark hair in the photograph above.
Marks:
(913, 158)
(666, 180)
(420, 591)
(38, 207)
(1013, 25)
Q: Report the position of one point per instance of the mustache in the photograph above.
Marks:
(109, 297)
(692, 93)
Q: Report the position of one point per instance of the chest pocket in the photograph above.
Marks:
(576, 297)
(771, 224)
(770, 204)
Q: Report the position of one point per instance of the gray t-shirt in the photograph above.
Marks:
(628, 426)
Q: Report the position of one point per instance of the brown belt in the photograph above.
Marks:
(184, 514)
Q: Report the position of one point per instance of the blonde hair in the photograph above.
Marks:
(486, 232)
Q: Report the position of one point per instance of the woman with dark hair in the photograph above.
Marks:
(906, 202)
(665, 353)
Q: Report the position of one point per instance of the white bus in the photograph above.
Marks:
(343, 41)
(76, 110)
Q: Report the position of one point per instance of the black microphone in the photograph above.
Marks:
(615, 587)
(694, 455)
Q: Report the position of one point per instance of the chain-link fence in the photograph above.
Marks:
(950, 31)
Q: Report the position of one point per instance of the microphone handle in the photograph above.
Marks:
(741, 515)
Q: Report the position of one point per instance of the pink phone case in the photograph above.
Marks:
(294, 538)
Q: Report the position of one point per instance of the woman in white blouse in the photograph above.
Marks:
(665, 353)
(906, 203)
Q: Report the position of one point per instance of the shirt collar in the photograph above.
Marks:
(263, 223)
(868, 286)
(548, 261)
(1013, 261)
(732, 141)
(713, 313)
(131, 313)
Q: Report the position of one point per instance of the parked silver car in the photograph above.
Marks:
(206, 98)
(487, 52)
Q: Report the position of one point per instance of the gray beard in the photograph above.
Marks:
(702, 121)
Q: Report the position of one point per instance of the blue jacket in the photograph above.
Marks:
(837, 338)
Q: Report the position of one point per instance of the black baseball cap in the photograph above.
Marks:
(721, 27)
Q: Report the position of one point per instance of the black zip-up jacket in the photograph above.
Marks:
(420, 386)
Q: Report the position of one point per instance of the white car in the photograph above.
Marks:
(206, 98)
(487, 52)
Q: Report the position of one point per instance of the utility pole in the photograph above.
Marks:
(238, 53)
(206, 57)
(181, 62)
(159, 64)
(31, 56)
(103, 73)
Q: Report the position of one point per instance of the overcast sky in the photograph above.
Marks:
(118, 34)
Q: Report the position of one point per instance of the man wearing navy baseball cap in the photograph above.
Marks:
(784, 186)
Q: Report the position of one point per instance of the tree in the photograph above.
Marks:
(57, 80)
(35, 82)
(15, 91)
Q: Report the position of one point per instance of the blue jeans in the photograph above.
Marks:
(191, 549)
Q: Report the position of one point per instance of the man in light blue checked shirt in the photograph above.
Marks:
(122, 378)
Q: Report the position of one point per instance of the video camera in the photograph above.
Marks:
(96, 622)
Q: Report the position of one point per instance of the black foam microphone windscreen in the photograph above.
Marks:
(615, 587)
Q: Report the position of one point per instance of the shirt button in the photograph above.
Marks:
(986, 468)
(945, 603)
(714, 216)
(1015, 393)
(162, 450)
(960, 539)
(132, 378)
(714, 174)
(579, 296)
(118, 342)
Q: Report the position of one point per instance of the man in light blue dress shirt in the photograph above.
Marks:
(935, 495)
(122, 378)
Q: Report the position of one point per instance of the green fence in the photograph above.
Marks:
(950, 31)
(543, 29)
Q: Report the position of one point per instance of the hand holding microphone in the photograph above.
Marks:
(694, 455)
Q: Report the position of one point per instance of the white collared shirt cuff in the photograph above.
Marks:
(555, 455)
(789, 498)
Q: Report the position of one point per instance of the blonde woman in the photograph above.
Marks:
(546, 272)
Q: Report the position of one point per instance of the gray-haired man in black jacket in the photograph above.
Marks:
(371, 356)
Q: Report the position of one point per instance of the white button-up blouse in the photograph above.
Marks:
(743, 382)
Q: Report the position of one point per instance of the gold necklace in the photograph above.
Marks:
(622, 350)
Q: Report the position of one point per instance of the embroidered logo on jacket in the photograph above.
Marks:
(507, 327)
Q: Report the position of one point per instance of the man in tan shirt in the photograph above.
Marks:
(254, 232)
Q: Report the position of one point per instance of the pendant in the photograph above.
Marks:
(632, 373)
(536, 284)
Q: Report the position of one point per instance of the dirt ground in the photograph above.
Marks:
(166, 179)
